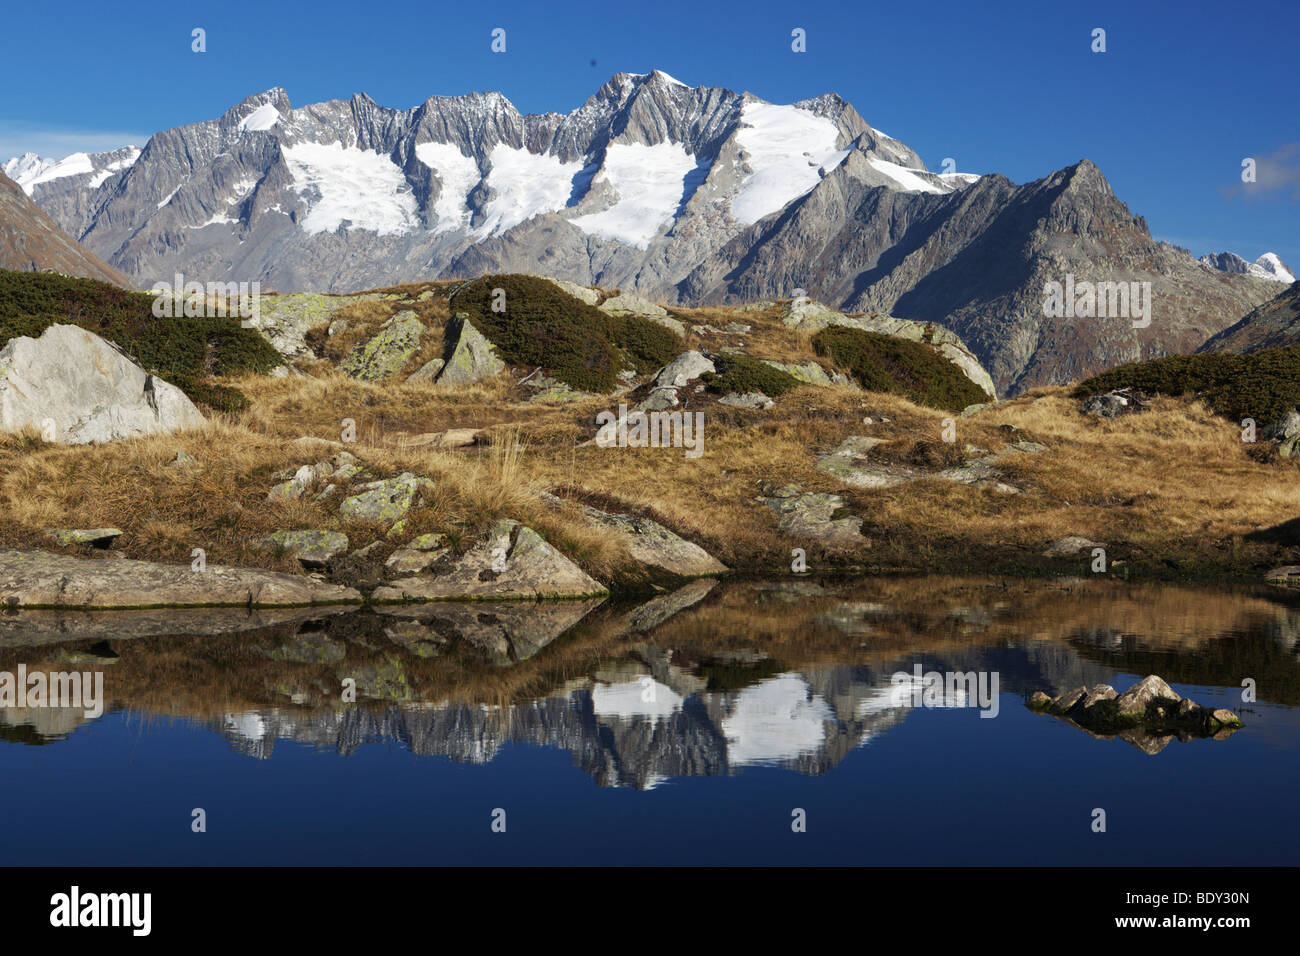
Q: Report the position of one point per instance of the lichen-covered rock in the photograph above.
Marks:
(472, 359)
(511, 562)
(810, 373)
(815, 515)
(418, 554)
(75, 389)
(43, 579)
(313, 549)
(285, 320)
(387, 352)
(387, 500)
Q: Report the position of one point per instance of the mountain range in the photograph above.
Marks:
(686, 195)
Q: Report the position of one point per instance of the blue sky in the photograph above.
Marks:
(1184, 92)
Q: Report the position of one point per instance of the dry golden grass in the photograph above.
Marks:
(1170, 491)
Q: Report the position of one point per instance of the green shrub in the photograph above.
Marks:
(742, 374)
(183, 351)
(648, 345)
(884, 363)
(574, 342)
(1263, 385)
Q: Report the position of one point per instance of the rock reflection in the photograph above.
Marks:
(710, 679)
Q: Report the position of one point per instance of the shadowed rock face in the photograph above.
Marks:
(31, 242)
(1275, 323)
(862, 225)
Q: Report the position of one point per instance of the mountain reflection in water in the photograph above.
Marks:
(705, 681)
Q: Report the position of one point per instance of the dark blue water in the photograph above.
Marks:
(581, 774)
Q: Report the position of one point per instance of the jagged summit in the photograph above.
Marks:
(685, 194)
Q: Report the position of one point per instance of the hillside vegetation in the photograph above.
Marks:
(1262, 385)
(187, 352)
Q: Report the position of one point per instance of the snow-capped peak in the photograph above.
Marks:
(1273, 268)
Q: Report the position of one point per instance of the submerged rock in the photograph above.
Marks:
(1146, 715)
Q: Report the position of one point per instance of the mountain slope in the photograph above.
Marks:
(1275, 323)
(688, 195)
(31, 242)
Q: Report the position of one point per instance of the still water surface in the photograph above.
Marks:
(684, 731)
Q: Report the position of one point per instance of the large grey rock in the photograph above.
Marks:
(87, 390)
(580, 292)
(387, 352)
(511, 562)
(685, 368)
(472, 358)
(42, 579)
(1145, 692)
(629, 303)
(651, 543)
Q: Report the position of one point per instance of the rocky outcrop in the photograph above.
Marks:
(511, 562)
(806, 315)
(815, 515)
(1112, 404)
(650, 543)
(851, 463)
(629, 303)
(685, 368)
(312, 549)
(35, 579)
(1148, 715)
(388, 351)
(76, 389)
(472, 358)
